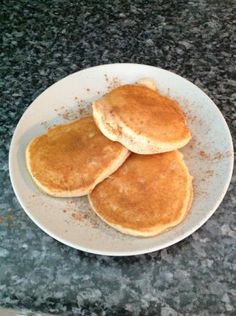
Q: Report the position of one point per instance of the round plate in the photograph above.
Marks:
(209, 157)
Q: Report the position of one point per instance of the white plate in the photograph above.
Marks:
(209, 156)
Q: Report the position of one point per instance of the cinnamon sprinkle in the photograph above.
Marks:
(203, 154)
(79, 216)
(82, 216)
(112, 82)
(210, 173)
(213, 157)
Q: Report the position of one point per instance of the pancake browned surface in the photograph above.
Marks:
(146, 195)
(141, 119)
(69, 160)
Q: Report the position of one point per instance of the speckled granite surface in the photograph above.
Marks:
(44, 41)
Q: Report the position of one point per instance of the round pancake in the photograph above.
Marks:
(141, 119)
(147, 195)
(70, 160)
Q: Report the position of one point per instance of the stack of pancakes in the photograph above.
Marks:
(125, 158)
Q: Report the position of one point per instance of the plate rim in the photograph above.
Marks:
(166, 244)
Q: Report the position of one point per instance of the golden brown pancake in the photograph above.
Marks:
(69, 160)
(141, 119)
(147, 195)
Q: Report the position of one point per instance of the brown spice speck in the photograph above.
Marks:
(194, 142)
(79, 216)
(198, 192)
(218, 156)
(82, 111)
(210, 173)
(93, 222)
(69, 115)
(106, 77)
(113, 83)
(203, 154)
(213, 157)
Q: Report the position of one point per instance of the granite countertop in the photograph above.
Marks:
(43, 41)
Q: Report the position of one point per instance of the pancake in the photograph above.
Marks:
(70, 160)
(141, 119)
(147, 195)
